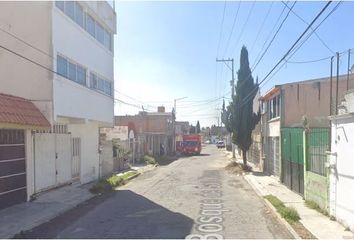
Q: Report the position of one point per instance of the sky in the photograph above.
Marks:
(167, 50)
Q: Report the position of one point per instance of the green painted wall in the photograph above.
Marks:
(316, 189)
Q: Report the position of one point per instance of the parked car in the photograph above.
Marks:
(220, 144)
(207, 142)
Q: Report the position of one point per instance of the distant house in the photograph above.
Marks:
(153, 130)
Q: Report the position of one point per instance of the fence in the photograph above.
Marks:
(318, 142)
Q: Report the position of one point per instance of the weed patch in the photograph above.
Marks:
(288, 213)
(315, 206)
(149, 160)
(109, 184)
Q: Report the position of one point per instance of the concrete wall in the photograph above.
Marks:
(342, 169)
(316, 189)
(311, 98)
(89, 134)
(73, 100)
(31, 22)
(106, 158)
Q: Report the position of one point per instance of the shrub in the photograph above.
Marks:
(149, 159)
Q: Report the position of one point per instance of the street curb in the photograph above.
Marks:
(286, 224)
(133, 176)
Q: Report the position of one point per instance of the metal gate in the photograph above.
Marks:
(292, 159)
(12, 167)
(272, 156)
(52, 160)
(76, 158)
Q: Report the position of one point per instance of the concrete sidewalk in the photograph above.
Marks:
(318, 224)
(47, 206)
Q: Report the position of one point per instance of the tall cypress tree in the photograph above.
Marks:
(197, 127)
(243, 119)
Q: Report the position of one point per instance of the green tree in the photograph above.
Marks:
(197, 127)
(239, 114)
(192, 129)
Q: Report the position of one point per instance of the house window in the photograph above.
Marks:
(108, 88)
(90, 25)
(107, 40)
(81, 75)
(274, 107)
(60, 5)
(99, 33)
(71, 70)
(79, 15)
(62, 66)
(100, 84)
(74, 10)
(70, 9)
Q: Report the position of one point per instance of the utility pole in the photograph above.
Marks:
(337, 82)
(232, 83)
(174, 124)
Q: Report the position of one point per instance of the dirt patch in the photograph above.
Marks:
(234, 168)
(302, 231)
(237, 168)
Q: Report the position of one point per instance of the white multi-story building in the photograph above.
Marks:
(59, 55)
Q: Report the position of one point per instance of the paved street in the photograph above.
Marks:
(192, 197)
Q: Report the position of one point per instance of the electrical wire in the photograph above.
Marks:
(304, 21)
(243, 27)
(264, 80)
(275, 35)
(232, 29)
(221, 28)
(262, 26)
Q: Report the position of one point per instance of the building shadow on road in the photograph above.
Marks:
(121, 214)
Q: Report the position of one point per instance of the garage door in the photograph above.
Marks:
(12, 168)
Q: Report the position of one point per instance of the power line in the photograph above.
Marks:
(304, 21)
(262, 25)
(275, 35)
(28, 59)
(221, 28)
(232, 29)
(314, 30)
(269, 35)
(244, 26)
(247, 98)
(309, 61)
(23, 41)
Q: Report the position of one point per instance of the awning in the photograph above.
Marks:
(20, 112)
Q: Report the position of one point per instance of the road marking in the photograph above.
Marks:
(210, 221)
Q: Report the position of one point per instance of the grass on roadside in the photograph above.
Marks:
(291, 216)
(109, 184)
(149, 159)
(315, 206)
(288, 213)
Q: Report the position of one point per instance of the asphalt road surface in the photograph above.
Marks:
(193, 197)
